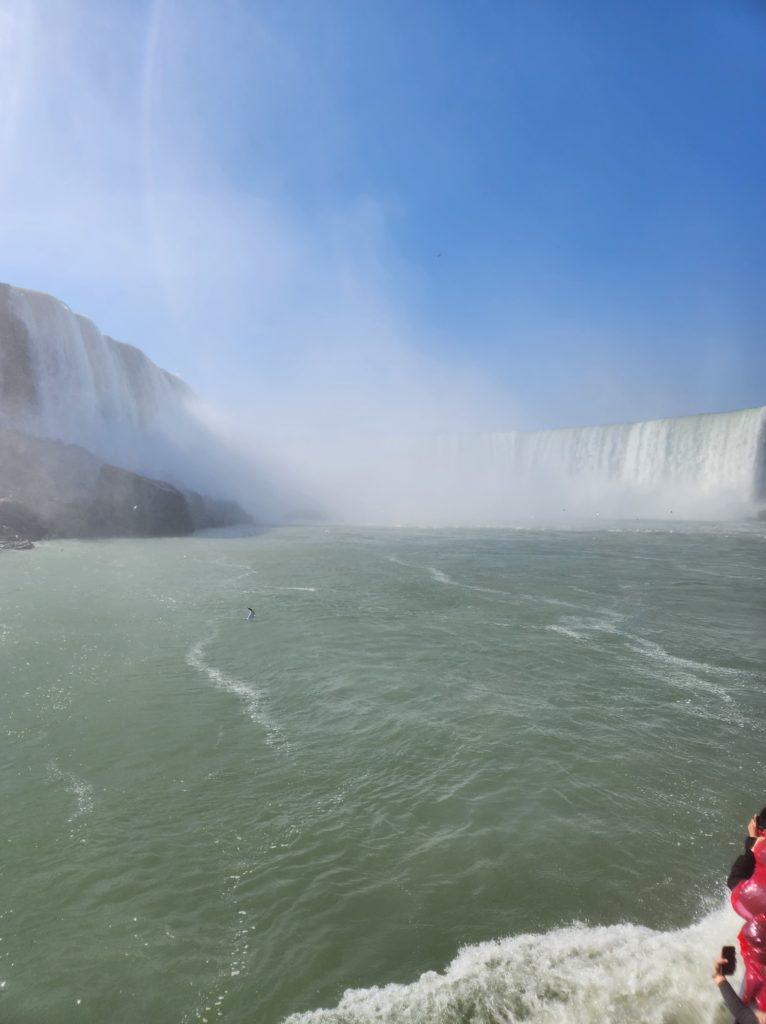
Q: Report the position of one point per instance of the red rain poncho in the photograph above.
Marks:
(749, 901)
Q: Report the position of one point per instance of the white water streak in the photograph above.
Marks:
(248, 692)
(573, 975)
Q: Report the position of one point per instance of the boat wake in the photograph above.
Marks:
(576, 975)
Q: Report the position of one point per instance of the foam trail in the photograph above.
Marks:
(249, 694)
(567, 631)
(440, 577)
(573, 975)
(655, 652)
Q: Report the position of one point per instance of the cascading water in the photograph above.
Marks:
(711, 466)
(61, 378)
(707, 466)
(704, 465)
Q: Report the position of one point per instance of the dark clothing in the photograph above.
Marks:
(742, 1014)
(743, 866)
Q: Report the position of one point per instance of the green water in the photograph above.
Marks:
(427, 741)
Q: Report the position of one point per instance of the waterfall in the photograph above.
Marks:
(711, 466)
(707, 466)
(61, 378)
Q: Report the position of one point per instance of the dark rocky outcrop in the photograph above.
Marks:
(18, 520)
(61, 490)
(208, 513)
(18, 526)
(124, 504)
(133, 505)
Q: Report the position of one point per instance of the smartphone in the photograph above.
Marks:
(729, 954)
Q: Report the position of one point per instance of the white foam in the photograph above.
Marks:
(578, 627)
(566, 631)
(440, 577)
(572, 975)
(658, 653)
(248, 693)
(81, 790)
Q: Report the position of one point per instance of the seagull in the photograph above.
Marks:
(251, 614)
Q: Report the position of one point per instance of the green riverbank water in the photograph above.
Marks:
(459, 776)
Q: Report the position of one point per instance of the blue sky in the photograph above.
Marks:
(527, 213)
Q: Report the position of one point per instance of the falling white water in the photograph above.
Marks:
(697, 466)
(61, 378)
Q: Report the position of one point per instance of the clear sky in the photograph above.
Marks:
(516, 213)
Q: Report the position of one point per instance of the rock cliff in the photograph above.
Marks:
(48, 488)
(90, 432)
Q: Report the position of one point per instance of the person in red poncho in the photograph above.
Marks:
(748, 898)
(744, 865)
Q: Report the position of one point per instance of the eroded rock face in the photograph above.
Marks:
(48, 488)
(207, 512)
(126, 504)
(18, 521)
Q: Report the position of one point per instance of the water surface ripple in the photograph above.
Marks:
(445, 776)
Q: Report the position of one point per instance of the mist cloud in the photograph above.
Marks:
(176, 172)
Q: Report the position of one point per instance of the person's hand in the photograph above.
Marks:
(718, 965)
(752, 827)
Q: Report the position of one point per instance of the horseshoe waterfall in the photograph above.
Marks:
(711, 466)
(62, 380)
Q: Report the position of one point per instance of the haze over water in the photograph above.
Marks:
(431, 755)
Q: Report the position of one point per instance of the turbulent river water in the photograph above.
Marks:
(443, 777)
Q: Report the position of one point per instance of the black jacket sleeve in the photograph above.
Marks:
(742, 1014)
(743, 866)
